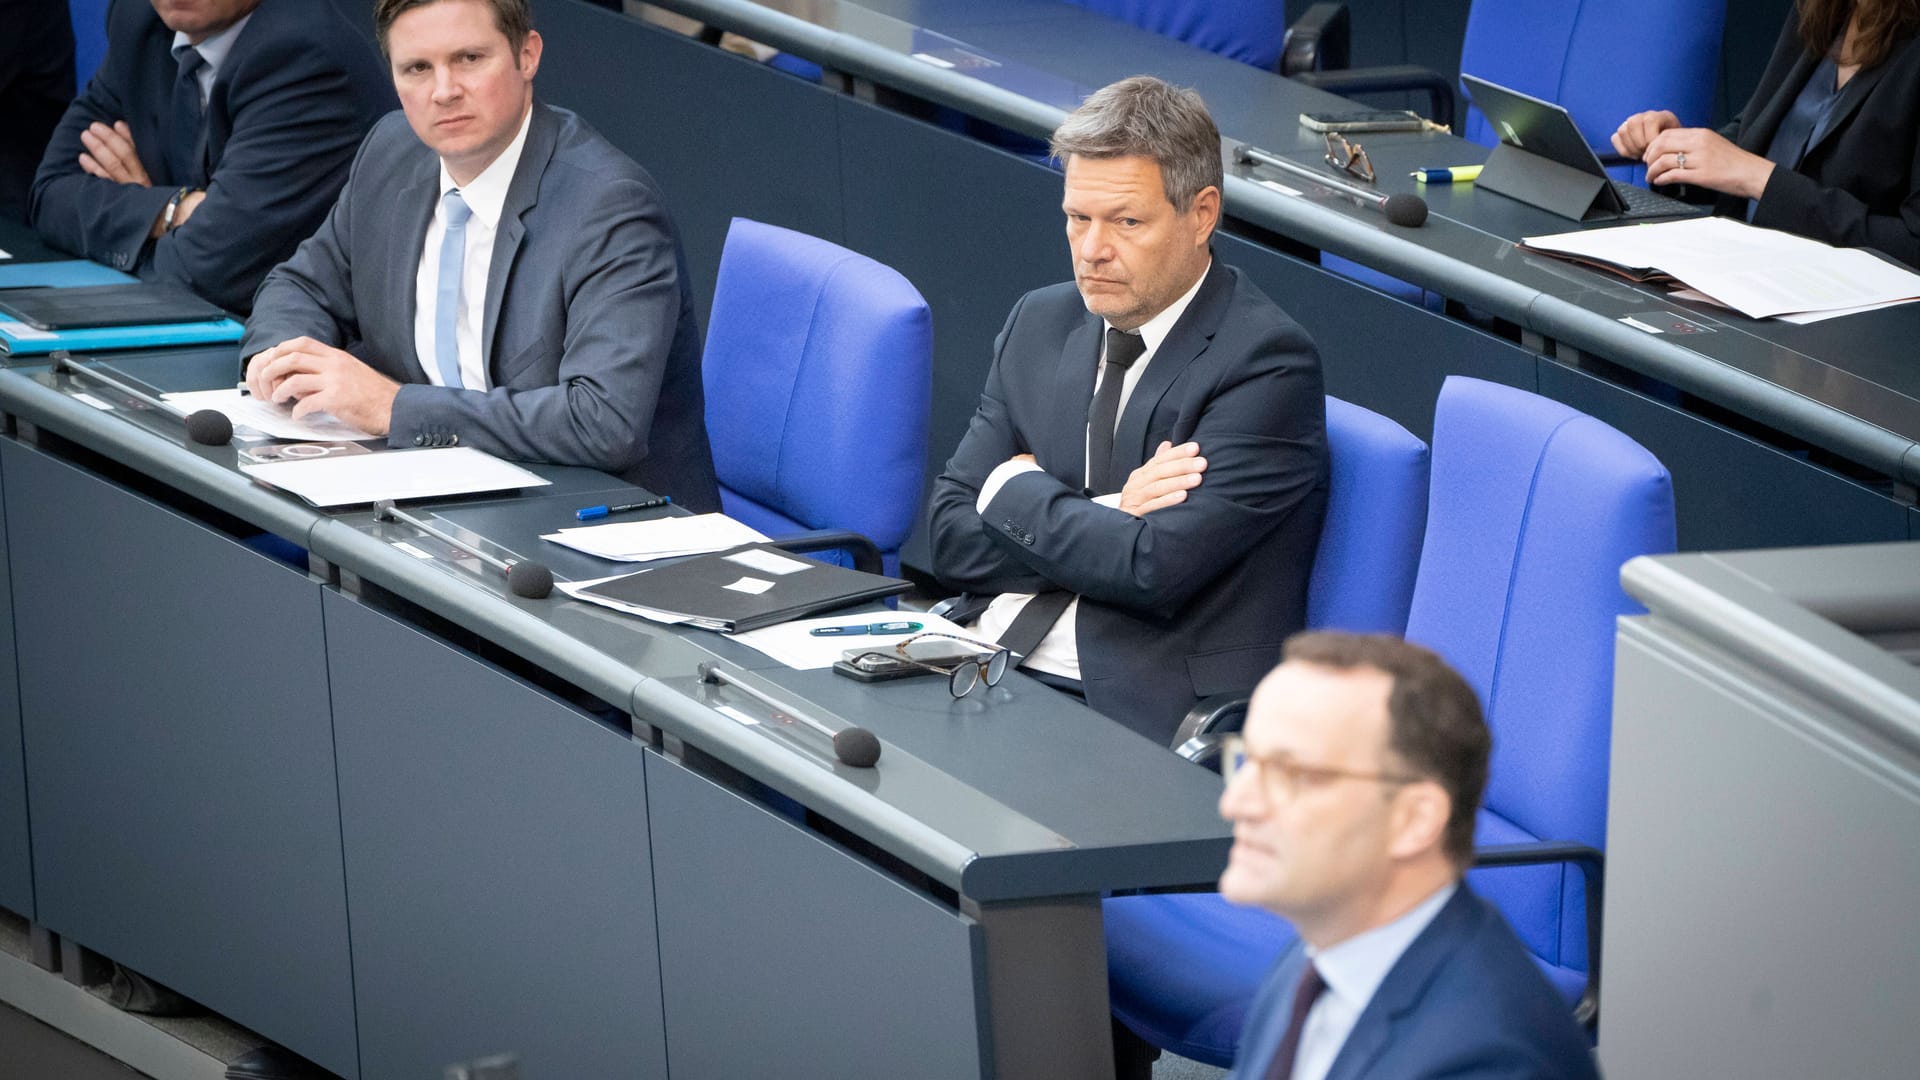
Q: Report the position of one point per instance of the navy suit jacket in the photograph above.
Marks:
(289, 104)
(1859, 185)
(1465, 1000)
(588, 332)
(1187, 601)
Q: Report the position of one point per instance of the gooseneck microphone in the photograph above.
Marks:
(1407, 211)
(525, 578)
(856, 746)
(208, 427)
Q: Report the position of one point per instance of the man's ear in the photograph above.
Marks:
(1205, 212)
(1420, 814)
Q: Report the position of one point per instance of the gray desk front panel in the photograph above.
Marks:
(174, 701)
(1760, 880)
(16, 853)
(498, 874)
(782, 955)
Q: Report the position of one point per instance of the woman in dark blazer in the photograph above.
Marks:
(1828, 146)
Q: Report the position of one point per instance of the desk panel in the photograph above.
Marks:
(498, 872)
(16, 850)
(180, 751)
(784, 956)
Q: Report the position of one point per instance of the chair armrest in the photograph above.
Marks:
(962, 609)
(1218, 714)
(1407, 77)
(1593, 865)
(1319, 40)
(1202, 750)
(865, 553)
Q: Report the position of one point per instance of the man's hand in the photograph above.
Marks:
(1164, 480)
(110, 154)
(1708, 159)
(321, 378)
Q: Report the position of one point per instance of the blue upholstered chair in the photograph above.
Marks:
(1376, 513)
(1533, 509)
(89, 38)
(1250, 31)
(819, 373)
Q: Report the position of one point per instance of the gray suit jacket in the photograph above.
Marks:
(588, 331)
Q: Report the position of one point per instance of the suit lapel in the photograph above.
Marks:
(1072, 396)
(418, 198)
(1851, 96)
(1186, 341)
(1755, 137)
(522, 194)
(1405, 985)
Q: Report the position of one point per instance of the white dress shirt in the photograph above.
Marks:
(1059, 652)
(486, 196)
(1354, 970)
(213, 50)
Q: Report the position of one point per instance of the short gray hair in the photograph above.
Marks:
(1147, 117)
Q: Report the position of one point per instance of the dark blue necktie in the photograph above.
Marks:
(187, 139)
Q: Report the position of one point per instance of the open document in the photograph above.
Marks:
(265, 417)
(1760, 273)
(659, 538)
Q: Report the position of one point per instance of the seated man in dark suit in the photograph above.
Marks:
(211, 141)
(1148, 542)
(495, 274)
(1352, 796)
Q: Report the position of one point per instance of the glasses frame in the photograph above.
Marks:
(963, 676)
(1345, 155)
(1282, 779)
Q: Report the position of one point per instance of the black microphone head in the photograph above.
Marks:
(383, 510)
(1407, 211)
(209, 427)
(530, 579)
(857, 747)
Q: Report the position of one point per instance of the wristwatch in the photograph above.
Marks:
(173, 208)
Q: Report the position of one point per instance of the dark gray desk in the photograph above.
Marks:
(391, 816)
(1775, 434)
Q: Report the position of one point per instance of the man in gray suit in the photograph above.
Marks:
(495, 274)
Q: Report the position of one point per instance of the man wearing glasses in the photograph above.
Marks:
(1352, 796)
(1140, 493)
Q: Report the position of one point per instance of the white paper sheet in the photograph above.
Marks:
(791, 644)
(660, 538)
(396, 474)
(578, 590)
(265, 417)
(1757, 272)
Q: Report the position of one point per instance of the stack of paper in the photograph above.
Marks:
(273, 421)
(1760, 273)
(396, 474)
(793, 643)
(660, 538)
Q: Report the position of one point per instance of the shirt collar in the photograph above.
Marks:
(486, 195)
(1155, 330)
(215, 48)
(1356, 967)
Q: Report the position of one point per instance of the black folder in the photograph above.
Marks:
(87, 306)
(747, 587)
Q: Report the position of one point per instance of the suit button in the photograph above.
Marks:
(453, 440)
(419, 440)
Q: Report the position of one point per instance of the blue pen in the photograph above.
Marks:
(591, 512)
(865, 628)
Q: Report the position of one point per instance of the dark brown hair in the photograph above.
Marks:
(513, 17)
(1435, 726)
(1883, 24)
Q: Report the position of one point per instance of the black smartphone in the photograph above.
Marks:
(880, 663)
(1363, 120)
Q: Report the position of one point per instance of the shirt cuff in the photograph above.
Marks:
(1111, 501)
(998, 478)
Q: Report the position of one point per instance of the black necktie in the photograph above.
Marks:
(187, 140)
(1304, 995)
(1104, 475)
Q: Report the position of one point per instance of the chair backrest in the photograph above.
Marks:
(819, 375)
(1363, 570)
(1534, 508)
(1602, 61)
(1251, 31)
(89, 38)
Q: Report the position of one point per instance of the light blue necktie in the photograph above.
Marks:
(446, 304)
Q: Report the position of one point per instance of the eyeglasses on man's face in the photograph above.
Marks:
(1280, 777)
(1350, 156)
